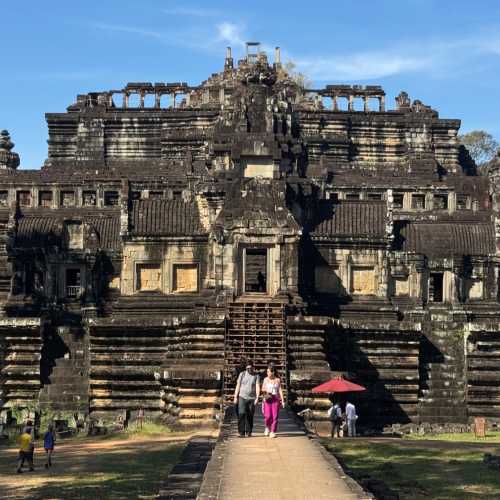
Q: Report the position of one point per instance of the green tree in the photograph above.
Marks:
(480, 144)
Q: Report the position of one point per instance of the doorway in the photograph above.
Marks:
(256, 270)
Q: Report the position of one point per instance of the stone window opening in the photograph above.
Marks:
(333, 196)
(149, 101)
(135, 195)
(24, 198)
(342, 103)
(111, 198)
(45, 199)
(148, 277)
(374, 104)
(397, 200)
(352, 196)
(327, 102)
(177, 195)
(67, 198)
(155, 195)
(256, 270)
(375, 196)
(4, 198)
(461, 202)
(166, 101)
(89, 198)
(441, 201)
(436, 282)
(418, 201)
(185, 278)
(180, 100)
(363, 280)
(73, 282)
(133, 100)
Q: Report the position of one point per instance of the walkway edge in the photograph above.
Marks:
(212, 479)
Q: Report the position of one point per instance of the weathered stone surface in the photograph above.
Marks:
(163, 244)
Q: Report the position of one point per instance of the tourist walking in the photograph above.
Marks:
(26, 449)
(351, 416)
(335, 416)
(272, 398)
(246, 395)
(49, 441)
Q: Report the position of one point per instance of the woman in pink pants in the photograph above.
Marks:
(273, 396)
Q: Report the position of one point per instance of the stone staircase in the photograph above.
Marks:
(20, 363)
(171, 372)
(64, 370)
(442, 387)
(483, 375)
(256, 331)
(122, 367)
(385, 360)
(308, 365)
(5, 274)
(192, 375)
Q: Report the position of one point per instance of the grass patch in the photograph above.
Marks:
(465, 437)
(415, 472)
(119, 475)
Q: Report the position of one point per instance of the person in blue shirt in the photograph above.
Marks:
(49, 440)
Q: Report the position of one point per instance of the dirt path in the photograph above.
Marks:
(78, 462)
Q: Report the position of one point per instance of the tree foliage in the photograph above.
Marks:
(480, 144)
(303, 81)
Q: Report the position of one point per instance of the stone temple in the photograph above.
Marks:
(175, 231)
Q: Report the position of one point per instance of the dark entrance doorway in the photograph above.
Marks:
(256, 270)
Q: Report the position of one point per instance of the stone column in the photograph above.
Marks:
(335, 104)
(381, 101)
(366, 106)
(350, 105)
(141, 98)
(125, 100)
(157, 99)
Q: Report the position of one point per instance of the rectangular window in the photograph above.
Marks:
(397, 200)
(177, 195)
(333, 196)
(352, 196)
(155, 195)
(24, 198)
(67, 198)
(135, 195)
(185, 278)
(461, 202)
(111, 198)
(73, 283)
(363, 281)
(45, 199)
(4, 198)
(148, 277)
(418, 201)
(374, 196)
(89, 198)
(436, 287)
(440, 201)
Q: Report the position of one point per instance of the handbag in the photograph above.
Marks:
(267, 397)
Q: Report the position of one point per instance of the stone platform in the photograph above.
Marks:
(291, 466)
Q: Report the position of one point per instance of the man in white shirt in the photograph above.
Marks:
(350, 413)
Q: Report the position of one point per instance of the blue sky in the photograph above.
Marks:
(445, 53)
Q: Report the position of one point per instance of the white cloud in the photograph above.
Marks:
(230, 33)
(128, 29)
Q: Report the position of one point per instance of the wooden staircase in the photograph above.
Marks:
(255, 331)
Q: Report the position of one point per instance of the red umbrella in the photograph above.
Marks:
(338, 385)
